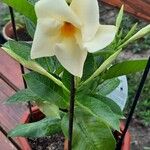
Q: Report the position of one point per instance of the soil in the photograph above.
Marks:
(140, 136)
(22, 35)
(54, 142)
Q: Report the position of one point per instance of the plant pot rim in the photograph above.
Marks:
(6, 36)
(25, 144)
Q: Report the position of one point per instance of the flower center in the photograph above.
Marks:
(68, 30)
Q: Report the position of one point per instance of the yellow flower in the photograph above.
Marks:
(70, 32)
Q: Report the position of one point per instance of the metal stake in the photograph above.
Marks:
(71, 112)
(136, 98)
(22, 68)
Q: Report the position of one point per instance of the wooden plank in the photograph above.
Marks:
(9, 114)
(5, 144)
(10, 71)
(139, 8)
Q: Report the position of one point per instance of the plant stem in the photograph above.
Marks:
(71, 111)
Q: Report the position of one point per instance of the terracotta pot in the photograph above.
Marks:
(8, 33)
(37, 115)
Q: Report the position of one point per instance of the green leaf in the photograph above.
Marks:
(23, 96)
(124, 68)
(21, 52)
(23, 7)
(103, 67)
(30, 26)
(119, 17)
(88, 67)
(143, 32)
(108, 86)
(130, 33)
(66, 79)
(45, 89)
(45, 127)
(99, 110)
(111, 104)
(89, 133)
(89, 88)
(50, 110)
(48, 63)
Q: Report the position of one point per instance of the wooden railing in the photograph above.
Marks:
(139, 8)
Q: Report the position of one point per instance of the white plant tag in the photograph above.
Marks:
(120, 94)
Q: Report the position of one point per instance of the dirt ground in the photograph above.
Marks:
(140, 136)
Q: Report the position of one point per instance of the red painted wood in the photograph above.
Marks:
(9, 114)
(5, 144)
(139, 8)
(10, 70)
(10, 80)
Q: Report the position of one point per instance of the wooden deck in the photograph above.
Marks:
(10, 82)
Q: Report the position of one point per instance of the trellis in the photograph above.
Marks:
(71, 110)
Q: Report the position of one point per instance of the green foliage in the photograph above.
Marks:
(96, 116)
(143, 43)
(23, 96)
(21, 52)
(23, 7)
(30, 26)
(124, 68)
(119, 17)
(49, 109)
(89, 67)
(98, 110)
(45, 127)
(107, 86)
(103, 67)
(89, 132)
(110, 103)
(45, 89)
(130, 33)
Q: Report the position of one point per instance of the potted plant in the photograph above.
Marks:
(73, 72)
(38, 114)
(21, 28)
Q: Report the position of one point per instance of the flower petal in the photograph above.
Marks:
(71, 56)
(45, 37)
(57, 9)
(88, 12)
(104, 36)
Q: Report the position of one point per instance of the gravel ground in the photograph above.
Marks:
(140, 136)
